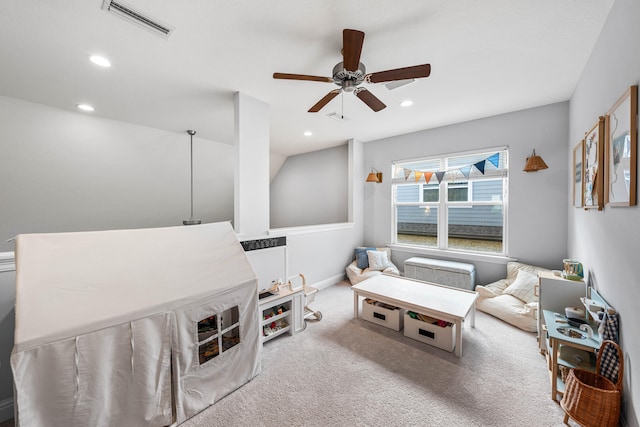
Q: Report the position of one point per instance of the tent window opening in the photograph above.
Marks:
(218, 332)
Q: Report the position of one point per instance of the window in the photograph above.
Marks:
(452, 202)
(210, 340)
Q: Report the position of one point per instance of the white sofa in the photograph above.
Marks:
(513, 299)
(360, 269)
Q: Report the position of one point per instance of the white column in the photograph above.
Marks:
(251, 191)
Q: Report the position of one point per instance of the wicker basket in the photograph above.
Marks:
(591, 399)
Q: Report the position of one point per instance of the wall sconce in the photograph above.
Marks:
(375, 176)
(534, 163)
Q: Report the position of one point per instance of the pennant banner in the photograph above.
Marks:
(453, 174)
(494, 159)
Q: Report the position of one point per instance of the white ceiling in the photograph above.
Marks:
(487, 57)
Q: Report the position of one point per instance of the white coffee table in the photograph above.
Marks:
(442, 302)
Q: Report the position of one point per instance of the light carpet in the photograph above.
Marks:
(346, 372)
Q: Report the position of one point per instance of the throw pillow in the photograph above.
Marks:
(362, 260)
(378, 260)
(485, 292)
(522, 288)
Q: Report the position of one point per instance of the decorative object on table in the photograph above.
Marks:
(534, 163)
(620, 154)
(590, 398)
(578, 182)
(572, 269)
(191, 220)
(593, 166)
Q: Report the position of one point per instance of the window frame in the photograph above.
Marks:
(443, 204)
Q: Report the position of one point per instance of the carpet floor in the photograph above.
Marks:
(342, 371)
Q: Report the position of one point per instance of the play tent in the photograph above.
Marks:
(131, 327)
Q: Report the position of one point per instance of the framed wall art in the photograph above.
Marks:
(593, 181)
(620, 153)
(578, 191)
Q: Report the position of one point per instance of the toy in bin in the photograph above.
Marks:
(299, 281)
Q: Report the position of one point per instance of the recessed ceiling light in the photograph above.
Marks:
(406, 103)
(85, 107)
(100, 60)
(308, 133)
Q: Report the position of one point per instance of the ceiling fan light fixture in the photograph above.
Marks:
(308, 133)
(406, 103)
(350, 73)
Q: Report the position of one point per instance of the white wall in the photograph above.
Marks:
(311, 189)
(537, 200)
(63, 171)
(608, 242)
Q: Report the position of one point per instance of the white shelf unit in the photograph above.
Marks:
(291, 319)
(554, 294)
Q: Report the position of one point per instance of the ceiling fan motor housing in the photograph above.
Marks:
(348, 80)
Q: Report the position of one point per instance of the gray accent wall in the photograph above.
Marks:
(607, 242)
(311, 189)
(64, 171)
(537, 201)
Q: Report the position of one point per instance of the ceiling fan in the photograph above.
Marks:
(350, 73)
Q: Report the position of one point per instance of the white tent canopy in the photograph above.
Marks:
(102, 317)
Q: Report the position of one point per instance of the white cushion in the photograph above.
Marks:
(378, 260)
(523, 287)
(511, 310)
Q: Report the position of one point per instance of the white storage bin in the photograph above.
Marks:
(450, 273)
(430, 333)
(390, 318)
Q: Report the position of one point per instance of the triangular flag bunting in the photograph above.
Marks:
(418, 175)
(440, 175)
(480, 166)
(494, 159)
(407, 172)
(427, 177)
(465, 171)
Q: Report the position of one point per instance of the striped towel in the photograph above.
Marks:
(610, 363)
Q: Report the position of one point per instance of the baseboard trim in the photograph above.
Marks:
(6, 409)
(330, 281)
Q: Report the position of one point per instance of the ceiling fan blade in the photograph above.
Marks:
(352, 48)
(370, 99)
(286, 76)
(415, 72)
(324, 101)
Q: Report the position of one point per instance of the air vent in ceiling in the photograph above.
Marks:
(125, 11)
